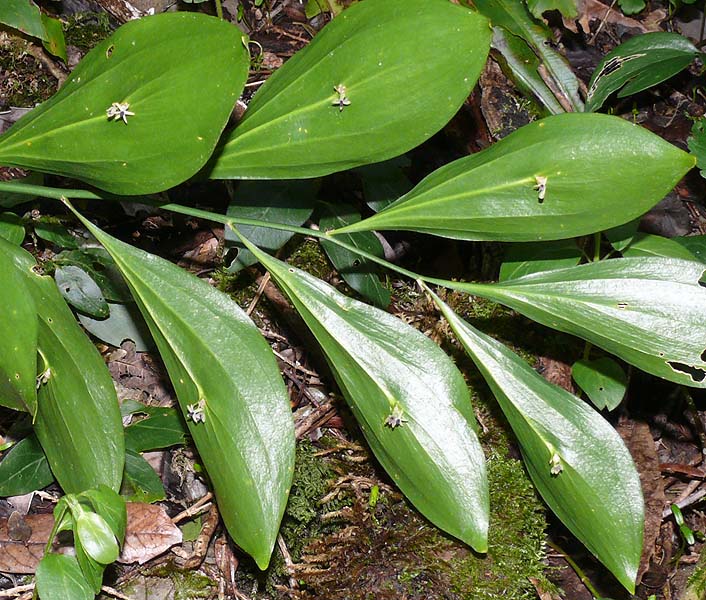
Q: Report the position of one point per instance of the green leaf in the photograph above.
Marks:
(228, 383)
(110, 506)
(23, 15)
(24, 469)
(647, 311)
(12, 228)
(96, 537)
(56, 233)
(399, 93)
(59, 577)
(98, 264)
(358, 272)
(532, 257)
(524, 66)
(409, 399)
(53, 39)
(143, 484)
(566, 7)
(161, 430)
(641, 62)
(646, 244)
(576, 459)
(169, 69)
(697, 144)
(590, 167)
(124, 323)
(514, 17)
(78, 420)
(631, 7)
(18, 332)
(79, 290)
(286, 202)
(92, 570)
(603, 380)
(10, 199)
(696, 244)
(384, 182)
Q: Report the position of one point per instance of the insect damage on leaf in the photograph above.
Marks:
(697, 374)
(611, 66)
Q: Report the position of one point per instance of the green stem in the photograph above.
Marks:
(582, 576)
(62, 194)
(597, 246)
(219, 9)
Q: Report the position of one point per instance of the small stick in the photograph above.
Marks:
(287, 561)
(260, 289)
(16, 591)
(194, 509)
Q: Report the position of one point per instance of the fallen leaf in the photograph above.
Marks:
(150, 532)
(24, 556)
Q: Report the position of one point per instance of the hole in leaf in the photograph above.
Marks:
(601, 389)
(703, 356)
(696, 374)
(109, 51)
(356, 263)
(661, 354)
(622, 305)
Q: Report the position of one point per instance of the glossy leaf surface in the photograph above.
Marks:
(170, 70)
(395, 93)
(535, 257)
(96, 537)
(641, 62)
(514, 17)
(18, 336)
(79, 290)
(603, 380)
(78, 421)
(24, 469)
(409, 399)
(228, 385)
(561, 177)
(60, 578)
(647, 311)
(12, 228)
(141, 483)
(576, 459)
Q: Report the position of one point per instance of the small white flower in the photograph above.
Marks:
(43, 378)
(541, 187)
(342, 100)
(556, 466)
(196, 411)
(119, 110)
(395, 418)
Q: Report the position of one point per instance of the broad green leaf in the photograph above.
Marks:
(524, 66)
(566, 7)
(55, 233)
(696, 244)
(635, 65)
(79, 290)
(603, 380)
(358, 272)
(408, 398)
(384, 182)
(576, 459)
(228, 386)
(124, 323)
(648, 311)
(78, 420)
(179, 73)
(18, 336)
(646, 244)
(561, 177)
(53, 39)
(110, 506)
(394, 93)
(533, 257)
(286, 202)
(92, 570)
(23, 15)
(59, 577)
(161, 430)
(516, 19)
(697, 144)
(24, 469)
(143, 484)
(96, 537)
(630, 7)
(10, 199)
(12, 228)
(98, 264)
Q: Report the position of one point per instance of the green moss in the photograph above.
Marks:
(309, 257)
(23, 80)
(169, 580)
(87, 29)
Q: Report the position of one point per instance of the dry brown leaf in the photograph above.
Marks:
(150, 532)
(17, 556)
(591, 10)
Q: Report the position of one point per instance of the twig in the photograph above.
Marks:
(264, 280)
(288, 563)
(115, 593)
(688, 501)
(194, 509)
(602, 23)
(16, 591)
